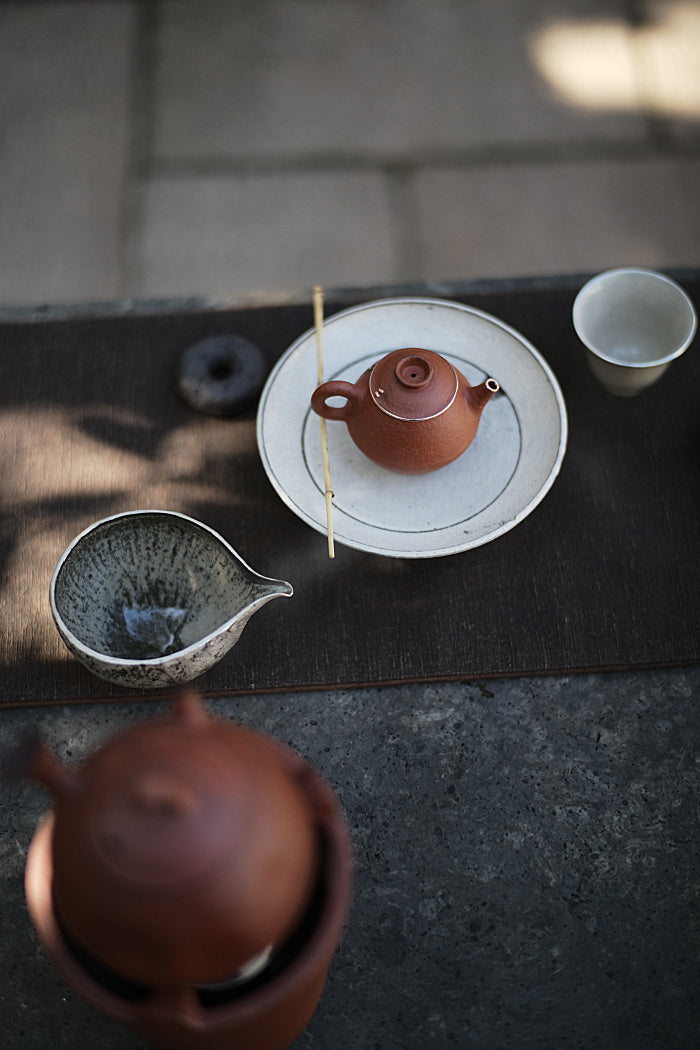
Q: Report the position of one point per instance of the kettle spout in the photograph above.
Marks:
(32, 760)
(479, 396)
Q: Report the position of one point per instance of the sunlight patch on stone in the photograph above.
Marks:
(609, 65)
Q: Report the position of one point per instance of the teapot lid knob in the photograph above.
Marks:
(414, 371)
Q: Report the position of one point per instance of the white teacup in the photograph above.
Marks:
(633, 323)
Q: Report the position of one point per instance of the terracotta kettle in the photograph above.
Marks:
(192, 881)
(412, 412)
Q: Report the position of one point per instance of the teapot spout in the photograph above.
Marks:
(479, 396)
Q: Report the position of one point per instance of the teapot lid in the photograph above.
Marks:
(413, 384)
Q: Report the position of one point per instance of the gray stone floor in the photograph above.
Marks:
(526, 863)
(205, 147)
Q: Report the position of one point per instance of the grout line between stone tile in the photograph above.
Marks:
(400, 182)
(138, 164)
(214, 166)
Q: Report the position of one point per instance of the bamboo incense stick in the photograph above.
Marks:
(318, 321)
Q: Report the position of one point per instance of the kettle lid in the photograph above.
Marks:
(413, 384)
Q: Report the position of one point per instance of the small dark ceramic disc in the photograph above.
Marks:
(221, 375)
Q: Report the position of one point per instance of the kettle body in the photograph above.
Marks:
(191, 880)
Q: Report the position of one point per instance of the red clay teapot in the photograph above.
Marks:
(191, 880)
(412, 412)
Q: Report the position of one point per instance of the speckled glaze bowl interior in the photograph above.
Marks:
(154, 598)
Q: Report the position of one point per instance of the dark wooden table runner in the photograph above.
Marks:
(603, 574)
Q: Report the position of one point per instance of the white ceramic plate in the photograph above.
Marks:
(498, 481)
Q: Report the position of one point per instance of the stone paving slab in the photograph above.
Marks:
(231, 235)
(391, 77)
(64, 76)
(197, 146)
(499, 221)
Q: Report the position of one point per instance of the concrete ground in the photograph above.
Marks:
(228, 149)
(526, 864)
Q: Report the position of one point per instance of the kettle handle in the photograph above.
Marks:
(333, 388)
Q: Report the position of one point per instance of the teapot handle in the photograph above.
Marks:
(333, 388)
